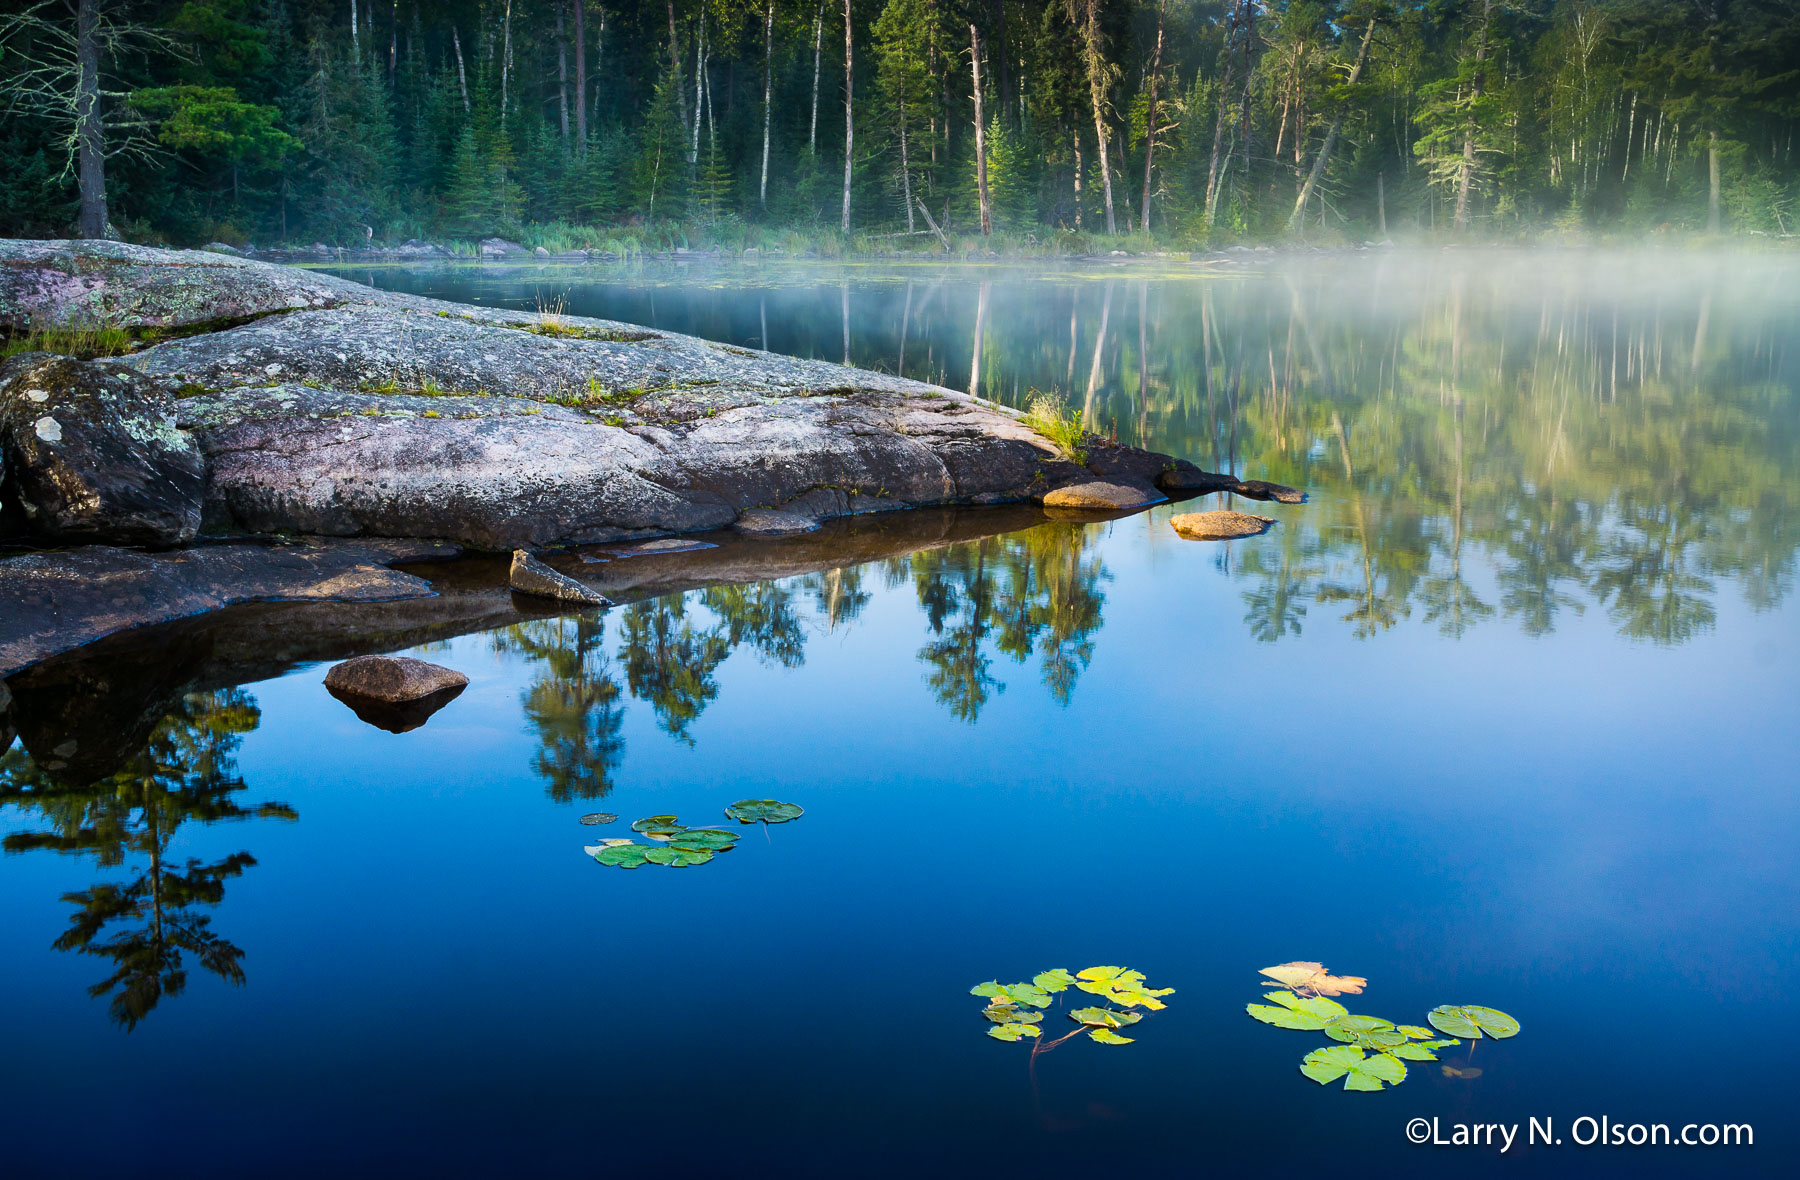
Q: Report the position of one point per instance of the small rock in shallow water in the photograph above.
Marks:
(1099, 496)
(392, 679)
(1262, 489)
(666, 545)
(395, 693)
(1219, 526)
(768, 522)
(531, 576)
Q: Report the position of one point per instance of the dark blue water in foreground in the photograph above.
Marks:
(1369, 738)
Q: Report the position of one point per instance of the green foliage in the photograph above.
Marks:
(1562, 117)
(1373, 1052)
(214, 120)
(1015, 1010)
(676, 845)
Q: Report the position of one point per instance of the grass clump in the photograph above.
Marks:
(82, 341)
(1046, 414)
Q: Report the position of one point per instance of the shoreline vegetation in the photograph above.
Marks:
(574, 243)
(1028, 128)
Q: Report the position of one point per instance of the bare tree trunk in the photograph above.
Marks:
(1712, 183)
(506, 59)
(812, 137)
(699, 91)
(1465, 174)
(1324, 157)
(905, 184)
(1381, 204)
(90, 134)
(393, 39)
(762, 192)
(1214, 170)
(981, 185)
(462, 75)
(675, 65)
(562, 73)
(1150, 120)
(580, 76)
(355, 41)
(849, 113)
(1077, 138)
(1090, 32)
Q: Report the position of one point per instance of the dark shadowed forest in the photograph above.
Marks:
(1051, 123)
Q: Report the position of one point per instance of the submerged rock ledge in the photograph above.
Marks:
(324, 407)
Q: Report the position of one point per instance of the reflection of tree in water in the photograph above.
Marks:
(575, 706)
(148, 923)
(762, 615)
(1483, 457)
(1034, 592)
(669, 662)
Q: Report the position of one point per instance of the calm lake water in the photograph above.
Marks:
(1505, 715)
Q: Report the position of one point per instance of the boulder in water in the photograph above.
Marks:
(770, 522)
(533, 577)
(93, 453)
(395, 693)
(1220, 526)
(1101, 496)
(1262, 489)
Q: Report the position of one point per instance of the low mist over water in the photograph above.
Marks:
(1488, 435)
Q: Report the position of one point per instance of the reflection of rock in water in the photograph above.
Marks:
(397, 716)
(7, 732)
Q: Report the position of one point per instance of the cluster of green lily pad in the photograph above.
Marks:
(1372, 1053)
(1015, 1009)
(679, 846)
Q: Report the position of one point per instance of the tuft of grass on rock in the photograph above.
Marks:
(82, 341)
(1047, 415)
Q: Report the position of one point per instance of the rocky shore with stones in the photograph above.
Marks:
(250, 402)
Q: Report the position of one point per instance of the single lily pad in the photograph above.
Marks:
(1028, 993)
(623, 856)
(1471, 1021)
(768, 811)
(1107, 1036)
(1417, 1033)
(1291, 1011)
(678, 858)
(1420, 1051)
(711, 838)
(1054, 980)
(1365, 1032)
(599, 817)
(1373, 1072)
(1105, 1017)
(1464, 1072)
(1012, 1032)
(1012, 1014)
(656, 821)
